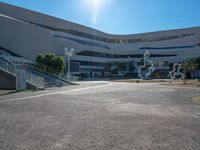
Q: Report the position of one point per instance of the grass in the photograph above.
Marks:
(185, 83)
(5, 92)
(197, 99)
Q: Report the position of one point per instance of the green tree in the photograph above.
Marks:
(197, 61)
(190, 66)
(40, 59)
(54, 63)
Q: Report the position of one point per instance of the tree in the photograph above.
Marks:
(40, 59)
(54, 63)
(197, 61)
(190, 66)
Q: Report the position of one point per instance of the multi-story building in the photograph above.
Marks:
(25, 33)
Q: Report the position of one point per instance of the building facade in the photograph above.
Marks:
(26, 34)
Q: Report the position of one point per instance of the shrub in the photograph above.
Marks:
(54, 63)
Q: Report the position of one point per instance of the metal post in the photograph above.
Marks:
(68, 73)
(69, 53)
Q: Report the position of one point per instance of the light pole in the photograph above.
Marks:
(69, 53)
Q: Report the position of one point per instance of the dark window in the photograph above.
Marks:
(88, 43)
(166, 48)
(103, 39)
(105, 55)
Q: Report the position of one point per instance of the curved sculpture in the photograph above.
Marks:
(147, 69)
(175, 73)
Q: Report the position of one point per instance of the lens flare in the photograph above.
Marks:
(94, 8)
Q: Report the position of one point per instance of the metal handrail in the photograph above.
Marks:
(34, 79)
(18, 60)
(8, 67)
(60, 76)
(71, 78)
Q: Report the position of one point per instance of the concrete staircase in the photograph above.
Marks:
(34, 76)
(50, 80)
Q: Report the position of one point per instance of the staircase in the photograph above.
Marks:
(50, 80)
(31, 78)
(34, 76)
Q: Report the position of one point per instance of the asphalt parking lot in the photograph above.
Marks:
(101, 116)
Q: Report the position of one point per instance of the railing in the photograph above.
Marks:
(52, 72)
(33, 79)
(71, 78)
(8, 67)
(47, 69)
(18, 60)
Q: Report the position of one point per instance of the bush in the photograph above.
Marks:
(191, 65)
(160, 75)
(54, 63)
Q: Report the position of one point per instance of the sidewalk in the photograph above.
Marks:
(3, 92)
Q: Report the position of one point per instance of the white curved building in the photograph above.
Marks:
(27, 33)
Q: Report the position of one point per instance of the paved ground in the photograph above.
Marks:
(3, 92)
(101, 116)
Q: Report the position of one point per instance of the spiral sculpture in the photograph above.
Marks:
(175, 73)
(145, 71)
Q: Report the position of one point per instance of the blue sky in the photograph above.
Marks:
(120, 16)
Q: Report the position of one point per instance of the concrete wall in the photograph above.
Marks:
(7, 81)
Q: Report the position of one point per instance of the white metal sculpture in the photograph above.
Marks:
(147, 69)
(175, 73)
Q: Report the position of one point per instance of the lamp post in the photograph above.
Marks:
(69, 53)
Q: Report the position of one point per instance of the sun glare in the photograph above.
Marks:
(94, 8)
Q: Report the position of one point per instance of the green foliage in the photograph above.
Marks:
(40, 59)
(54, 63)
(160, 75)
(191, 65)
(119, 66)
(197, 61)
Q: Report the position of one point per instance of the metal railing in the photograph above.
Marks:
(36, 80)
(52, 72)
(31, 78)
(8, 67)
(47, 69)
(17, 60)
(49, 73)
(71, 78)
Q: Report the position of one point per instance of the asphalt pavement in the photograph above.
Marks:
(101, 116)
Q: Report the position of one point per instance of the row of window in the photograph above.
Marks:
(105, 55)
(109, 40)
(167, 48)
(89, 63)
(88, 43)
